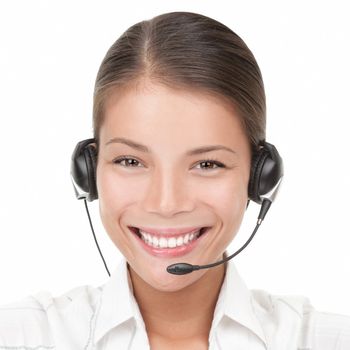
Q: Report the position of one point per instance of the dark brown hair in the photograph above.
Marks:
(189, 51)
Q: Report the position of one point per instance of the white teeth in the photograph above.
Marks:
(179, 241)
(155, 241)
(172, 242)
(186, 238)
(163, 243)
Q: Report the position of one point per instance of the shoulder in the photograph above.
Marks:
(331, 331)
(38, 320)
(294, 317)
(23, 323)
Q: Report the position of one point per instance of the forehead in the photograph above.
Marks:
(163, 113)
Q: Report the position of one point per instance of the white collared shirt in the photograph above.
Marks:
(108, 318)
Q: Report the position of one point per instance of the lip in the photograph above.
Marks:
(170, 252)
(169, 231)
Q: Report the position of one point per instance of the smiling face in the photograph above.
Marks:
(164, 185)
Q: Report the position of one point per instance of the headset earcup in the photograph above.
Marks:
(83, 170)
(91, 161)
(266, 172)
(257, 164)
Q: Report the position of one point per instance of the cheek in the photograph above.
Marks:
(234, 201)
(115, 191)
(229, 195)
(113, 197)
(229, 200)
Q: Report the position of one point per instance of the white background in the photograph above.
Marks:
(50, 54)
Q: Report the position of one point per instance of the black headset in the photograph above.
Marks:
(265, 174)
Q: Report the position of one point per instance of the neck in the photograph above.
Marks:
(182, 314)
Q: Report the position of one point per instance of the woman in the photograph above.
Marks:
(178, 151)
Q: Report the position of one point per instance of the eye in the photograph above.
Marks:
(129, 162)
(211, 162)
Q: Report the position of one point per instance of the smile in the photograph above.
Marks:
(169, 243)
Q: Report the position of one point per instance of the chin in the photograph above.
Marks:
(159, 279)
(174, 283)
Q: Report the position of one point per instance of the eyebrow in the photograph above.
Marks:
(194, 151)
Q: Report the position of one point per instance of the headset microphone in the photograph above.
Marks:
(266, 175)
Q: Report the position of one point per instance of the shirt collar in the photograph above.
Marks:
(118, 304)
(235, 301)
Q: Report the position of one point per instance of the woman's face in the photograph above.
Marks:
(165, 184)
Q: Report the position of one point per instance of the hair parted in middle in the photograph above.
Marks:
(188, 51)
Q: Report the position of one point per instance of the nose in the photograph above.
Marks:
(168, 194)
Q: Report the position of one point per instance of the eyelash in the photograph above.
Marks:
(213, 161)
